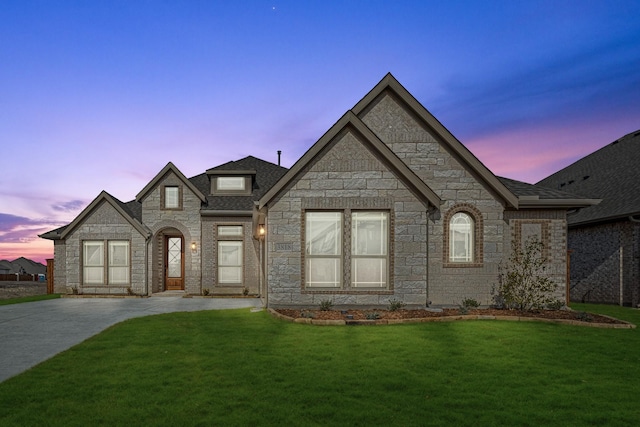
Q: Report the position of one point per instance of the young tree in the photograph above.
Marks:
(522, 283)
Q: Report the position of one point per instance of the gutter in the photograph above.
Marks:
(535, 202)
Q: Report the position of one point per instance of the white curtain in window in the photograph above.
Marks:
(461, 238)
(118, 262)
(323, 243)
(93, 262)
(171, 197)
(369, 249)
(230, 262)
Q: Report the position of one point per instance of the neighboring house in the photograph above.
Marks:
(386, 205)
(605, 239)
(22, 265)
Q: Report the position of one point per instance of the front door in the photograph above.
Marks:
(174, 264)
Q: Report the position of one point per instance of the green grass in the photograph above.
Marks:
(28, 299)
(241, 368)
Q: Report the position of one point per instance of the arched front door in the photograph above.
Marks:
(174, 263)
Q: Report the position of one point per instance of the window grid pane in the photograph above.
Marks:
(229, 230)
(323, 272)
(231, 183)
(323, 246)
(230, 260)
(461, 238)
(118, 262)
(93, 263)
(369, 272)
(171, 197)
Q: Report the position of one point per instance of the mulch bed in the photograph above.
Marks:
(362, 315)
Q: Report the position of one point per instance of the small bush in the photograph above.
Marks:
(556, 305)
(470, 303)
(326, 305)
(395, 304)
(372, 316)
(522, 282)
(584, 316)
(245, 291)
(307, 314)
(205, 292)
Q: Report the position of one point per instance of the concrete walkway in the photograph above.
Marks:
(33, 332)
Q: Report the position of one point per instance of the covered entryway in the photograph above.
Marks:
(174, 263)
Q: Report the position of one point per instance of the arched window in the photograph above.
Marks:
(461, 232)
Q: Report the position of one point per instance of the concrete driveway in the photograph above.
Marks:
(33, 332)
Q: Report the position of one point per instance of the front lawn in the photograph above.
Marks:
(242, 368)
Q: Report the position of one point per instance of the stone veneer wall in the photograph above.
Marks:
(604, 261)
(210, 256)
(346, 176)
(186, 220)
(59, 267)
(444, 173)
(104, 223)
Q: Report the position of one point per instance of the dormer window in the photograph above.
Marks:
(231, 183)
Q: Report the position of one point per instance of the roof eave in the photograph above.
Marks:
(556, 203)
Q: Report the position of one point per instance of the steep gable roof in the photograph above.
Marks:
(117, 205)
(350, 121)
(611, 174)
(170, 167)
(389, 83)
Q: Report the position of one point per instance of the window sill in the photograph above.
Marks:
(338, 291)
(462, 265)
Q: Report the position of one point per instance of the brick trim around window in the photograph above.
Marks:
(478, 236)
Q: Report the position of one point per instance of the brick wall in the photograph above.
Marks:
(605, 262)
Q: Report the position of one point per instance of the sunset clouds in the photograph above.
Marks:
(101, 95)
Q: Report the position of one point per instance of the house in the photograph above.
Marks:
(604, 240)
(387, 204)
(22, 265)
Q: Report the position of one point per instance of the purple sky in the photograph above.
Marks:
(100, 95)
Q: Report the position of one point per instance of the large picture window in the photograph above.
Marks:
(369, 248)
(323, 249)
(114, 270)
(357, 239)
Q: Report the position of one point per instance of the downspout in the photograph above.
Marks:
(621, 266)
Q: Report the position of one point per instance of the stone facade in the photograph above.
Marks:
(605, 263)
(103, 224)
(347, 175)
(251, 256)
(387, 155)
(184, 221)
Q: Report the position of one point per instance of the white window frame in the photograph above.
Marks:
(230, 235)
(315, 260)
(113, 270)
(463, 224)
(365, 255)
(231, 183)
(171, 197)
